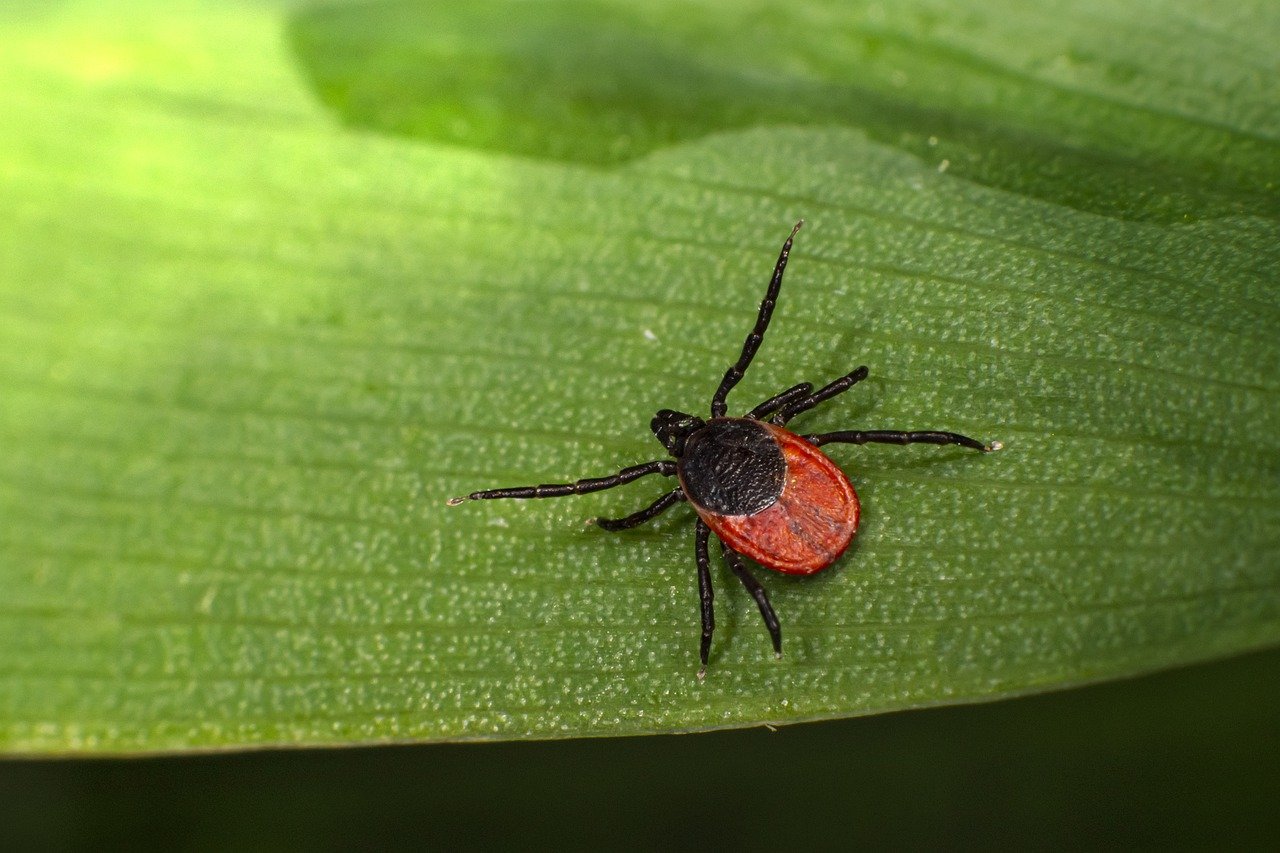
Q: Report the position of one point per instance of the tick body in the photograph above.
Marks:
(766, 493)
(769, 495)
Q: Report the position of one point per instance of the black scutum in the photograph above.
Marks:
(733, 466)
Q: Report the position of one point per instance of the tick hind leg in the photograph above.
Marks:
(705, 594)
(649, 513)
(757, 592)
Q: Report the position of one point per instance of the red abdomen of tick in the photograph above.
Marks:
(810, 523)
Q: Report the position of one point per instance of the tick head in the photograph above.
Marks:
(674, 428)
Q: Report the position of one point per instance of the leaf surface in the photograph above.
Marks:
(269, 298)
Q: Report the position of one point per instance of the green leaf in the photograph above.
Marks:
(275, 284)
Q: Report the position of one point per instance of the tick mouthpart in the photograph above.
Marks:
(455, 501)
(992, 447)
(702, 674)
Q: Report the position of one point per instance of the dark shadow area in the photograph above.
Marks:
(585, 82)
(1185, 759)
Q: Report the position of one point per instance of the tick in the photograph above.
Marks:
(764, 491)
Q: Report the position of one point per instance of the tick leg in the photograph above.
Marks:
(652, 511)
(844, 383)
(705, 594)
(757, 592)
(780, 401)
(735, 373)
(554, 490)
(883, 436)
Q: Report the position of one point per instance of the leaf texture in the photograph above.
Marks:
(256, 325)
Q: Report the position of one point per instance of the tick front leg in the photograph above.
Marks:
(757, 592)
(884, 436)
(705, 594)
(734, 374)
(650, 512)
(779, 402)
(844, 383)
(593, 484)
